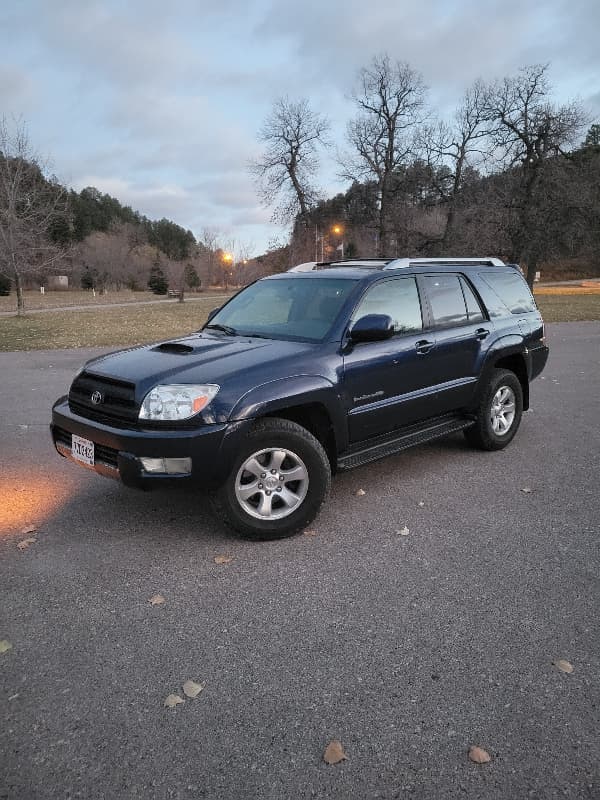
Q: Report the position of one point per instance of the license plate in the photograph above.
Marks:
(82, 450)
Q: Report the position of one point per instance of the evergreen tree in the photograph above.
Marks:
(5, 285)
(157, 282)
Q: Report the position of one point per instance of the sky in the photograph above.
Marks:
(160, 103)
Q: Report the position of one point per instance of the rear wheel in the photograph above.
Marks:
(499, 413)
(278, 482)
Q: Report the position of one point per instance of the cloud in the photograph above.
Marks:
(159, 104)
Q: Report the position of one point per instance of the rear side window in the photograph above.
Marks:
(511, 288)
(473, 308)
(446, 300)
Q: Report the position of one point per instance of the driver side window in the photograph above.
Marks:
(399, 299)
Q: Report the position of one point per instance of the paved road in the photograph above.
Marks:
(408, 649)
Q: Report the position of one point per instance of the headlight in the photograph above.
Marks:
(179, 401)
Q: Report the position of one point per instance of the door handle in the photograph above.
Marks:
(424, 346)
(481, 333)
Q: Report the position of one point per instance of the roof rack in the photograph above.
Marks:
(399, 263)
(396, 263)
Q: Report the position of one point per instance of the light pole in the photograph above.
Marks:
(227, 259)
(339, 231)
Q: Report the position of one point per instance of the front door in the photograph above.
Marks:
(385, 384)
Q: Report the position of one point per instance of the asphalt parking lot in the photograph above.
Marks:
(406, 648)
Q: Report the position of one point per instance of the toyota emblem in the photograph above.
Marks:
(96, 397)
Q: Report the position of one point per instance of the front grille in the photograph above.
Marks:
(117, 405)
(102, 454)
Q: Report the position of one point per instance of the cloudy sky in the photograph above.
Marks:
(159, 103)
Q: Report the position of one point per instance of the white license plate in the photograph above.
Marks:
(82, 450)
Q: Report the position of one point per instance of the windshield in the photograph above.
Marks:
(290, 308)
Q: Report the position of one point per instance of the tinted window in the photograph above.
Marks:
(473, 308)
(399, 299)
(446, 300)
(511, 289)
(287, 308)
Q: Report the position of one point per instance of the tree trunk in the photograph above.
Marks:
(19, 290)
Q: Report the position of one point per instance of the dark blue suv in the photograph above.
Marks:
(306, 373)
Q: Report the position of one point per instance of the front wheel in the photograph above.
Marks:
(278, 482)
(499, 413)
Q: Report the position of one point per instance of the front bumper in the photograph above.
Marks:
(117, 451)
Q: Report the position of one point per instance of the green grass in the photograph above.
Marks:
(130, 325)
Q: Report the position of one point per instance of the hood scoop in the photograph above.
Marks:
(174, 347)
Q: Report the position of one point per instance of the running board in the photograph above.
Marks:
(396, 442)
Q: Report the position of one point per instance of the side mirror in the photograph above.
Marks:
(212, 313)
(372, 328)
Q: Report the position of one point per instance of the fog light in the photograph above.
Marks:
(168, 466)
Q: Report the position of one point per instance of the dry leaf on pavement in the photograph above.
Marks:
(29, 529)
(527, 490)
(310, 533)
(420, 504)
(192, 689)
(223, 559)
(156, 600)
(5, 646)
(173, 700)
(403, 531)
(334, 753)
(360, 493)
(479, 756)
(563, 666)
(24, 543)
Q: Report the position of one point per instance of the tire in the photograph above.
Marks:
(499, 413)
(278, 482)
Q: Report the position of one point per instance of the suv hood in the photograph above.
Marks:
(204, 357)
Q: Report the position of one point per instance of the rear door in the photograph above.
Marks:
(461, 331)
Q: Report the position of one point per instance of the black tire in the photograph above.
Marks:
(304, 455)
(482, 434)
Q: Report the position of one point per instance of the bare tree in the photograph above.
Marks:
(33, 210)
(390, 101)
(292, 134)
(455, 145)
(530, 134)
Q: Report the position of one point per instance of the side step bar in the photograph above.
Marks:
(395, 442)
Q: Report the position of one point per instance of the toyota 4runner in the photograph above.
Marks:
(305, 373)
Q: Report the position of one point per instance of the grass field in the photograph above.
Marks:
(124, 326)
(78, 297)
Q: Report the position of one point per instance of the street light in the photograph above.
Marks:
(339, 231)
(227, 259)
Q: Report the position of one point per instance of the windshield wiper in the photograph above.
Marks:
(225, 328)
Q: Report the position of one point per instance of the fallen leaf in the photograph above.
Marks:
(420, 504)
(527, 490)
(24, 543)
(403, 531)
(5, 646)
(191, 689)
(223, 559)
(310, 533)
(360, 493)
(563, 666)
(156, 600)
(173, 700)
(479, 756)
(29, 529)
(334, 753)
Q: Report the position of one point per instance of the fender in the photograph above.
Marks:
(505, 346)
(298, 390)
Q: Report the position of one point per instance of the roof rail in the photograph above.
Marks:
(399, 263)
